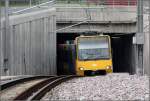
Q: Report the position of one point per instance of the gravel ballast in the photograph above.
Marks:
(109, 87)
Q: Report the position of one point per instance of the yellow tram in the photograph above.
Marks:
(93, 55)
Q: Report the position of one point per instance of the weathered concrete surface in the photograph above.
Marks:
(31, 44)
(97, 13)
(146, 45)
(103, 19)
(1, 48)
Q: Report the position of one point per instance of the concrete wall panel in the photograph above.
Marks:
(101, 14)
(32, 44)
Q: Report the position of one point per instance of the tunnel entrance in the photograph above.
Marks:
(122, 53)
(66, 54)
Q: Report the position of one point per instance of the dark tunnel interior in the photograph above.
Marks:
(122, 53)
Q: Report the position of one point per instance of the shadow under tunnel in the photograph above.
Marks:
(122, 53)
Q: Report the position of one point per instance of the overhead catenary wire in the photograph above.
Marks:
(72, 25)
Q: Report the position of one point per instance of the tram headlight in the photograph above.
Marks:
(81, 68)
(108, 67)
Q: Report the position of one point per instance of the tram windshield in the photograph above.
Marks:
(93, 48)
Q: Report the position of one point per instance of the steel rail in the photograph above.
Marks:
(12, 83)
(40, 93)
(36, 92)
(27, 93)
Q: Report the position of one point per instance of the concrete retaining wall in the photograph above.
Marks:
(31, 44)
(105, 19)
(98, 14)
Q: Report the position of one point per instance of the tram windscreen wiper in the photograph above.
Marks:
(90, 55)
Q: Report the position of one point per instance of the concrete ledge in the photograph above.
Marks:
(97, 22)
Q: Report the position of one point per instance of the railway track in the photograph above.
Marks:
(12, 83)
(40, 88)
(9, 90)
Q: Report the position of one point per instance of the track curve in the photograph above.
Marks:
(12, 83)
(37, 91)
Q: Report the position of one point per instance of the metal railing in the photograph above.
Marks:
(51, 3)
(98, 2)
(78, 2)
(47, 4)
